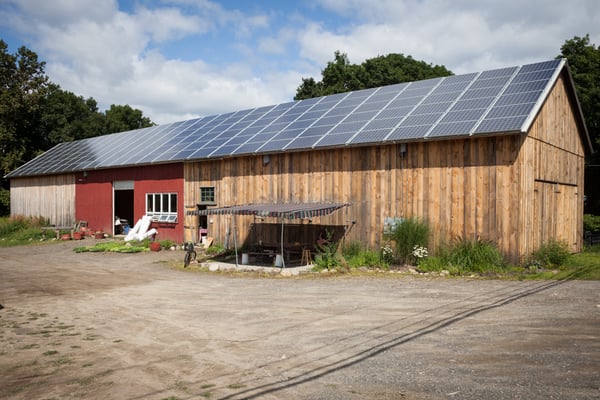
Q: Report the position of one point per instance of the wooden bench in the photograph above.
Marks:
(57, 229)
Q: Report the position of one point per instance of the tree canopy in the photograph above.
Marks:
(584, 60)
(36, 114)
(341, 76)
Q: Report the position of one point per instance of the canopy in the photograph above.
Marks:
(277, 210)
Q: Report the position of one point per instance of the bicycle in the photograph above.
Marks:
(190, 254)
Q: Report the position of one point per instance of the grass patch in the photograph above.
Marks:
(19, 230)
(114, 247)
(207, 386)
(50, 353)
(236, 386)
(466, 257)
(357, 255)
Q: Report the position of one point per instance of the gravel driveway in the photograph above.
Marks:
(130, 326)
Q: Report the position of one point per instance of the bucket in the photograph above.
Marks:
(278, 260)
(245, 260)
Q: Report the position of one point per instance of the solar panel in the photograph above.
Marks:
(494, 101)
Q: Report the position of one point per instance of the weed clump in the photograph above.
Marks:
(554, 254)
(465, 257)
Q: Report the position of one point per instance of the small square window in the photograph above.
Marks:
(207, 195)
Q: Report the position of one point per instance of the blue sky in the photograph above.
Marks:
(178, 59)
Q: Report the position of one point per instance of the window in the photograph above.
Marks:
(162, 207)
(207, 195)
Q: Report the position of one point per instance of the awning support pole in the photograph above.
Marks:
(234, 240)
(282, 255)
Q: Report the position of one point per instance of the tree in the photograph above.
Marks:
(584, 61)
(339, 76)
(22, 86)
(125, 118)
(66, 117)
(36, 114)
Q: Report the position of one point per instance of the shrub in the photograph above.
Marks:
(476, 255)
(166, 243)
(366, 258)
(591, 223)
(4, 202)
(409, 233)
(352, 249)
(327, 257)
(465, 256)
(555, 253)
(22, 228)
(216, 249)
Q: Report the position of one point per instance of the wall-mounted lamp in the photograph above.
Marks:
(403, 148)
(266, 159)
(85, 174)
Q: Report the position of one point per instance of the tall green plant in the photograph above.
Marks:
(555, 253)
(475, 255)
(466, 256)
(409, 233)
(327, 257)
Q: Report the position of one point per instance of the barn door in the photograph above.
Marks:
(555, 214)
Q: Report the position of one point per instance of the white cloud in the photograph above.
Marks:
(181, 58)
(463, 35)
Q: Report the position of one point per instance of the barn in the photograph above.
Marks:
(497, 155)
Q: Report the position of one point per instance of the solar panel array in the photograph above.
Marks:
(496, 101)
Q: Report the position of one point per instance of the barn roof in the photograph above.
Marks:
(500, 101)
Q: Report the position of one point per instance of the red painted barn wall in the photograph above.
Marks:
(94, 196)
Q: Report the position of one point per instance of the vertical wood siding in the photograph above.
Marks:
(52, 197)
(552, 181)
(460, 187)
(492, 188)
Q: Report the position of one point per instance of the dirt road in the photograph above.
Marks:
(127, 326)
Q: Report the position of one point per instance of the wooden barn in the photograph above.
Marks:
(497, 155)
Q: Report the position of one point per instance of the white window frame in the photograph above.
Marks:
(162, 207)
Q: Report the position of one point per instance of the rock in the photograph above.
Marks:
(213, 267)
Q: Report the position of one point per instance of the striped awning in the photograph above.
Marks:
(287, 211)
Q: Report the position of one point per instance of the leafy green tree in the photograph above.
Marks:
(584, 60)
(66, 117)
(22, 86)
(125, 118)
(340, 76)
(36, 114)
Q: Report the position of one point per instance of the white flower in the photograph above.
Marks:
(420, 251)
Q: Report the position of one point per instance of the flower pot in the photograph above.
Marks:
(99, 235)
(155, 246)
(65, 236)
(77, 235)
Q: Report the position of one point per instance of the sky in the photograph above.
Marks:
(181, 59)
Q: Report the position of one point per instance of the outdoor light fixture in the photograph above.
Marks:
(266, 159)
